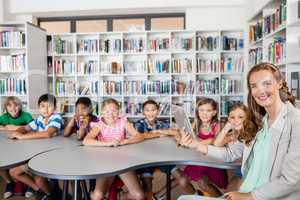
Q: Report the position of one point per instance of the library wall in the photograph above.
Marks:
(1, 11)
(254, 6)
(214, 18)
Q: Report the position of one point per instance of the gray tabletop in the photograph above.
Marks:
(92, 162)
(16, 152)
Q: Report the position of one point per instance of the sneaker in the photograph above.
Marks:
(29, 192)
(8, 190)
(18, 188)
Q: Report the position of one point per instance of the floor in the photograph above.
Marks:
(159, 182)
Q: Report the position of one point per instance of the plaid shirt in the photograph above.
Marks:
(142, 126)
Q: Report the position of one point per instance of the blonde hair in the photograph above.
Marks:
(14, 100)
(110, 101)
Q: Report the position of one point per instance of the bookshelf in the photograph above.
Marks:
(23, 65)
(274, 36)
(171, 67)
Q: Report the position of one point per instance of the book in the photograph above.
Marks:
(158, 87)
(64, 87)
(255, 56)
(133, 45)
(256, 31)
(276, 50)
(114, 67)
(207, 65)
(231, 86)
(13, 86)
(112, 87)
(182, 65)
(12, 63)
(63, 46)
(181, 43)
(64, 66)
(207, 87)
(232, 43)
(159, 44)
(158, 65)
(135, 87)
(89, 67)
(11, 38)
(87, 46)
(232, 64)
(277, 18)
(110, 45)
(207, 43)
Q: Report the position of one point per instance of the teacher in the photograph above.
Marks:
(271, 157)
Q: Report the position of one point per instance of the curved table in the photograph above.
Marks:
(80, 163)
(17, 152)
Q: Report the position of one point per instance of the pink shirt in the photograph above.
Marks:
(211, 134)
(108, 133)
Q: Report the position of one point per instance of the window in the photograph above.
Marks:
(129, 24)
(91, 26)
(56, 26)
(167, 23)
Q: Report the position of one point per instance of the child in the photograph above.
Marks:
(13, 118)
(147, 125)
(80, 122)
(206, 126)
(239, 122)
(110, 131)
(46, 125)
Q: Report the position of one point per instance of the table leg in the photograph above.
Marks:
(169, 183)
(65, 189)
(75, 190)
(84, 189)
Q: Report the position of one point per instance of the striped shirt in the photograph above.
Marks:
(108, 133)
(40, 124)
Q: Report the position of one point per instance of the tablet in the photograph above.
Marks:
(183, 121)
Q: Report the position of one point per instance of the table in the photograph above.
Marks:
(81, 163)
(17, 152)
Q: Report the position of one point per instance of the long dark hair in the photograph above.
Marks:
(256, 110)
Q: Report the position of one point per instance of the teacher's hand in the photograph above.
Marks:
(238, 196)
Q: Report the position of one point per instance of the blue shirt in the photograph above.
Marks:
(54, 121)
(142, 126)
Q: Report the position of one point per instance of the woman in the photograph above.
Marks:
(271, 157)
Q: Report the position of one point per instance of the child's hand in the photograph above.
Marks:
(227, 127)
(15, 135)
(187, 140)
(114, 143)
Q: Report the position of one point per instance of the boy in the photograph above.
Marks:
(80, 122)
(46, 125)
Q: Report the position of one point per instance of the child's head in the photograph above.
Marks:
(243, 122)
(13, 106)
(150, 110)
(83, 106)
(47, 104)
(206, 111)
(237, 116)
(110, 110)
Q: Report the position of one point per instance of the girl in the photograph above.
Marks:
(238, 126)
(110, 131)
(206, 126)
(271, 161)
(12, 119)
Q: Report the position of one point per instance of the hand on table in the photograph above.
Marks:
(238, 196)
(15, 135)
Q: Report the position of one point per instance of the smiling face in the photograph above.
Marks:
(150, 112)
(46, 108)
(236, 118)
(110, 113)
(206, 113)
(13, 109)
(264, 88)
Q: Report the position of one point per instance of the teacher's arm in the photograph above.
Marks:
(288, 181)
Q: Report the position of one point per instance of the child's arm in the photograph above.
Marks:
(21, 135)
(136, 136)
(69, 128)
(221, 139)
(11, 127)
(90, 139)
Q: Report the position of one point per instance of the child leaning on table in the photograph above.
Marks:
(110, 131)
(47, 124)
(13, 118)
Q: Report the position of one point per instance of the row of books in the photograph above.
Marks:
(182, 87)
(277, 50)
(87, 88)
(135, 107)
(90, 46)
(158, 66)
(232, 43)
(12, 63)
(112, 87)
(64, 87)
(207, 65)
(187, 104)
(11, 38)
(208, 87)
(183, 43)
(138, 87)
(231, 86)
(209, 43)
(87, 68)
(256, 31)
(158, 87)
(226, 104)
(135, 67)
(183, 65)
(111, 45)
(110, 67)
(13, 86)
(158, 44)
(232, 64)
(276, 19)
(64, 67)
(255, 56)
(134, 45)
(63, 46)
